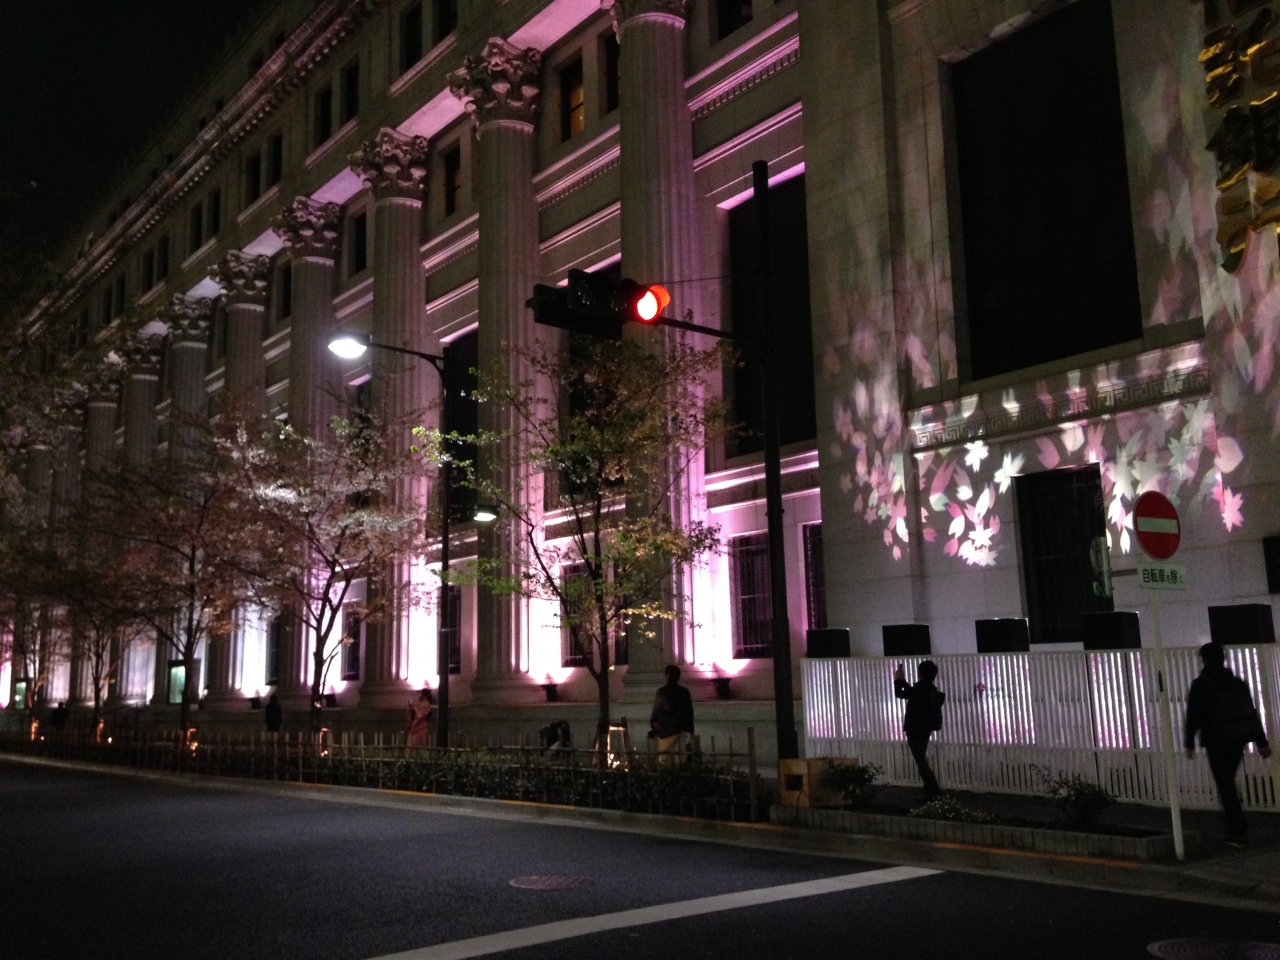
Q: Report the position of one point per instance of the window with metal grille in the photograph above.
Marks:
(752, 601)
(276, 633)
(815, 588)
(453, 628)
(1060, 512)
(573, 113)
(353, 630)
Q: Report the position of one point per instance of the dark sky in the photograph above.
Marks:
(83, 85)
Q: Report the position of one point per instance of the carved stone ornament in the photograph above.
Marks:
(624, 10)
(242, 276)
(68, 402)
(393, 163)
(188, 318)
(142, 354)
(104, 382)
(500, 84)
(309, 228)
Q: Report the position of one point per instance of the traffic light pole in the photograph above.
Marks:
(783, 698)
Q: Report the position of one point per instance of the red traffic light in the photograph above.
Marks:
(644, 304)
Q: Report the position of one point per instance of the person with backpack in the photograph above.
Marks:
(1221, 710)
(923, 717)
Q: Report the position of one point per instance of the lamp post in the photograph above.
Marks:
(352, 346)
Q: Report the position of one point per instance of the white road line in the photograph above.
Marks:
(565, 929)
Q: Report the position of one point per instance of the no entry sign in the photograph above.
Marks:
(1155, 522)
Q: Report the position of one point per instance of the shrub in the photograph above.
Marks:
(855, 782)
(949, 808)
(1080, 801)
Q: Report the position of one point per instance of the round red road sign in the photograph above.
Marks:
(1155, 522)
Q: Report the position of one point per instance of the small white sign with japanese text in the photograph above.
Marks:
(1161, 576)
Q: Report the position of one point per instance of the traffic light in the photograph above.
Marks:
(598, 305)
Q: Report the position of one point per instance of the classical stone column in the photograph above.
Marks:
(141, 390)
(660, 244)
(243, 278)
(500, 89)
(32, 652)
(406, 390)
(309, 230)
(188, 319)
(100, 420)
(65, 489)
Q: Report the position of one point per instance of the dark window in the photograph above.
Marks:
(815, 583)
(275, 159)
(149, 269)
(218, 332)
(276, 635)
(353, 631)
(453, 627)
(121, 287)
(284, 286)
(575, 650)
(322, 115)
(218, 105)
(105, 306)
(452, 179)
(446, 18)
(162, 257)
(461, 411)
(410, 37)
(751, 597)
(572, 103)
(213, 210)
(358, 245)
(195, 228)
(82, 328)
(1049, 264)
(1060, 513)
(277, 40)
(350, 91)
(793, 340)
(256, 62)
(730, 15)
(252, 178)
(612, 60)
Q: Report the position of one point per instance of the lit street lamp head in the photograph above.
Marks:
(349, 346)
(485, 513)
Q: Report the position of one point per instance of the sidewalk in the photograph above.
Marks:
(1246, 879)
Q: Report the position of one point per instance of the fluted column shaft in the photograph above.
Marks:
(139, 402)
(66, 482)
(188, 359)
(660, 243)
(315, 383)
(243, 278)
(99, 433)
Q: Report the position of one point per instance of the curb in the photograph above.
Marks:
(1119, 876)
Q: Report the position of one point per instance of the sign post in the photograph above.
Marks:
(1155, 523)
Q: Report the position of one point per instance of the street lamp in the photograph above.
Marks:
(352, 346)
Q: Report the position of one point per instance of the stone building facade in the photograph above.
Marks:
(999, 329)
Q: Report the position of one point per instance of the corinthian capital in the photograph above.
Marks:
(500, 84)
(143, 352)
(104, 382)
(624, 10)
(188, 318)
(393, 163)
(242, 276)
(309, 228)
(68, 404)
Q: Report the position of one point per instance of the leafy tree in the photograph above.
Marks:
(614, 429)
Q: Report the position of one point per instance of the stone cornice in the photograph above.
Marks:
(242, 276)
(309, 228)
(499, 84)
(393, 164)
(308, 46)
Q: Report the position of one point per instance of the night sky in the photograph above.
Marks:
(83, 86)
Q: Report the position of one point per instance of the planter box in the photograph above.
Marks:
(1033, 839)
(800, 782)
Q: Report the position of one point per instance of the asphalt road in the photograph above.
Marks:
(101, 866)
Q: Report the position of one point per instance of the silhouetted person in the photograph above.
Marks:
(1220, 708)
(274, 714)
(671, 721)
(417, 724)
(58, 718)
(922, 718)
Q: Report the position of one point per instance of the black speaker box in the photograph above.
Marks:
(1271, 557)
(1007, 635)
(828, 643)
(906, 639)
(1242, 623)
(1111, 630)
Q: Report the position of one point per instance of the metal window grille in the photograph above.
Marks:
(752, 601)
(815, 583)
(353, 627)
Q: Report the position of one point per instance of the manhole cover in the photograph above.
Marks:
(1209, 948)
(553, 881)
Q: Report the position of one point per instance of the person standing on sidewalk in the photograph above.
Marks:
(1220, 708)
(923, 716)
(671, 721)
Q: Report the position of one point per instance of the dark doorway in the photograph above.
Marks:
(1060, 512)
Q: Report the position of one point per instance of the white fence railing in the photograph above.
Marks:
(1094, 714)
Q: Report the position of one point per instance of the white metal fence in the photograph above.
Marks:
(1094, 714)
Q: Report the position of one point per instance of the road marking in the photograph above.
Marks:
(565, 929)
